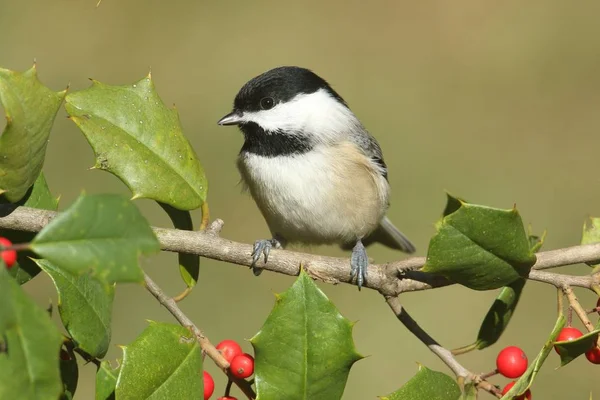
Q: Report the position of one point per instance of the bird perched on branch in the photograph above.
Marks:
(316, 174)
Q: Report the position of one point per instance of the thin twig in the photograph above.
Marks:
(575, 306)
(444, 354)
(206, 346)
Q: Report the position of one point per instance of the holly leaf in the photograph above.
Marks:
(85, 308)
(480, 247)
(101, 234)
(164, 362)
(427, 385)
(527, 378)
(591, 234)
(38, 196)
(497, 318)
(305, 348)
(29, 346)
(106, 380)
(571, 349)
(139, 140)
(30, 109)
(189, 264)
(69, 373)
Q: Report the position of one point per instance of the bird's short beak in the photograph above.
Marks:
(233, 118)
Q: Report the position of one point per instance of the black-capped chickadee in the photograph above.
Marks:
(316, 174)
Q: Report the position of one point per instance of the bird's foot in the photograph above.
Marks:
(359, 263)
(263, 247)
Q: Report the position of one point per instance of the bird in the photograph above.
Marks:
(314, 171)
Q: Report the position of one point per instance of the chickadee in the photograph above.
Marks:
(316, 174)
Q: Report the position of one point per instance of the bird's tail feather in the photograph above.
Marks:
(388, 235)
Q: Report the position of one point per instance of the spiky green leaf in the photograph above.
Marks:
(100, 234)
(30, 109)
(138, 139)
(305, 348)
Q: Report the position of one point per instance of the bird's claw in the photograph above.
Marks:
(359, 263)
(263, 247)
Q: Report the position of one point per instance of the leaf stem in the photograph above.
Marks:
(205, 216)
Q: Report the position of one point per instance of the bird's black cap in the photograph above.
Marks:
(281, 84)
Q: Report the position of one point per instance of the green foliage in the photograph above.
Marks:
(189, 264)
(100, 234)
(30, 111)
(497, 318)
(479, 247)
(305, 348)
(164, 362)
(427, 385)
(138, 139)
(38, 196)
(570, 350)
(29, 346)
(106, 381)
(85, 307)
(69, 373)
(527, 378)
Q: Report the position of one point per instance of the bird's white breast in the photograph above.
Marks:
(329, 194)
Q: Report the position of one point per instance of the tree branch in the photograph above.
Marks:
(206, 346)
(389, 279)
(444, 354)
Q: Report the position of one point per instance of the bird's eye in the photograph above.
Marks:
(267, 103)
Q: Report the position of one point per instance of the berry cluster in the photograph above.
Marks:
(8, 256)
(241, 365)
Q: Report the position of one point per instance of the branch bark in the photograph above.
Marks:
(389, 279)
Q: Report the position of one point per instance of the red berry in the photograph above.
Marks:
(567, 334)
(209, 385)
(9, 256)
(525, 396)
(242, 366)
(229, 349)
(598, 306)
(593, 355)
(511, 362)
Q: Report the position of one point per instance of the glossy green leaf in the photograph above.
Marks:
(100, 234)
(497, 318)
(164, 362)
(138, 139)
(591, 234)
(30, 109)
(427, 385)
(106, 380)
(69, 373)
(480, 247)
(305, 348)
(38, 196)
(570, 350)
(527, 378)
(29, 346)
(85, 308)
(189, 264)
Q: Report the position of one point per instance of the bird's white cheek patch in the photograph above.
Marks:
(316, 113)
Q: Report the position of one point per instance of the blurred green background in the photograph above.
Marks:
(496, 102)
